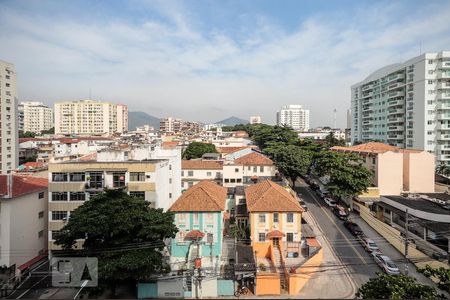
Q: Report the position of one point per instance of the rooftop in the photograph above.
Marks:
(420, 204)
(203, 196)
(201, 165)
(22, 185)
(268, 196)
(254, 159)
(373, 147)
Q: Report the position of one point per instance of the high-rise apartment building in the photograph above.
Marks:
(85, 117)
(35, 116)
(9, 157)
(122, 118)
(170, 125)
(294, 116)
(406, 105)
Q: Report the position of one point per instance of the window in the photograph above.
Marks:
(77, 177)
(40, 233)
(59, 196)
(262, 218)
(118, 179)
(289, 237)
(275, 217)
(138, 194)
(190, 173)
(181, 218)
(77, 196)
(170, 180)
(190, 184)
(41, 195)
(218, 175)
(262, 237)
(209, 238)
(236, 170)
(55, 234)
(41, 214)
(170, 195)
(255, 169)
(182, 173)
(59, 215)
(290, 217)
(227, 180)
(59, 177)
(137, 176)
(196, 219)
(232, 180)
(96, 180)
(238, 180)
(261, 169)
(209, 174)
(170, 167)
(209, 218)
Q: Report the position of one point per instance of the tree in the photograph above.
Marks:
(48, 131)
(26, 134)
(123, 232)
(442, 274)
(348, 176)
(263, 135)
(197, 149)
(395, 287)
(332, 141)
(292, 161)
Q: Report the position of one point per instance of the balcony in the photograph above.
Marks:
(443, 75)
(370, 94)
(443, 147)
(395, 94)
(443, 116)
(443, 105)
(395, 102)
(443, 126)
(396, 120)
(396, 77)
(443, 136)
(396, 111)
(395, 128)
(444, 96)
(396, 137)
(443, 85)
(444, 64)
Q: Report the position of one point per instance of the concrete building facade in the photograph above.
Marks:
(122, 118)
(8, 119)
(406, 105)
(85, 117)
(294, 116)
(36, 116)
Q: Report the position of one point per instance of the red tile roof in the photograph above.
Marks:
(201, 165)
(22, 185)
(254, 159)
(32, 165)
(204, 196)
(275, 234)
(268, 196)
(372, 147)
(169, 144)
(228, 150)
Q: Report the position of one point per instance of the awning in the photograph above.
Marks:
(194, 234)
(275, 234)
(312, 242)
(33, 261)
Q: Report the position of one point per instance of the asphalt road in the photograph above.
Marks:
(35, 284)
(359, 263)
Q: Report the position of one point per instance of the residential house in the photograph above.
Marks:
(23, 223)
(194, 171)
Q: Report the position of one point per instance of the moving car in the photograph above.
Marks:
(353, 228)
(340, 213)
(369, 244)
(330, 202)
(387, 264)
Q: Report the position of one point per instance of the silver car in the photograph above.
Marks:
(370, 245)
(387, 264)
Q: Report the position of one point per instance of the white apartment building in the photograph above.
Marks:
(9, 157)
(35, 116)
(122, 118)
(294, 116)
(85, 117)
(255, 120)
(23, 222)
(406, 105)
(170, 124)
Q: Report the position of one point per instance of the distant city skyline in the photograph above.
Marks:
(206, 61)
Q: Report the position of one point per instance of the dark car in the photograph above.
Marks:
(303, 205)
(340, 213)
(353, 228)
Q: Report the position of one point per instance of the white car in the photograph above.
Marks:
(369, 244)
(330, 202)
(387, 264)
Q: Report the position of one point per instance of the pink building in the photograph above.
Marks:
(396, 170)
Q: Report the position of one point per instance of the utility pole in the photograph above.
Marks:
(406, 241)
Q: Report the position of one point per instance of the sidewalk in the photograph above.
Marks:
(329, 281)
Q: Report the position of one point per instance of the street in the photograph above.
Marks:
(360, 264)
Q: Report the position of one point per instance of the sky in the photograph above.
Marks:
(205, 60)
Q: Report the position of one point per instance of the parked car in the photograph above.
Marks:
(330, 201)
(353, 228)
(369, 244)
(303, 205)
(387, 264)
(340, 213)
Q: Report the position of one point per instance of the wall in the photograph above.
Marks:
(225, 287)
(147, 290)
(303, 274)
(419, 170)
(267, 284)
(390, 173)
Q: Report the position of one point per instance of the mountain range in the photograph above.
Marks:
(139, 118)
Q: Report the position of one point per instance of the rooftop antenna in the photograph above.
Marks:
(334, 124)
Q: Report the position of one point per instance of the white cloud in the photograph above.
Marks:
(172, 66)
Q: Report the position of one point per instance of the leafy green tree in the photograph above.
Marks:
(442, 275)
(348, 175)
(292, 161)
(123, 232)
(26, 134)
(332, 141)
(395, 287)
(264, 135)
(48, 131)
(197, 149)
